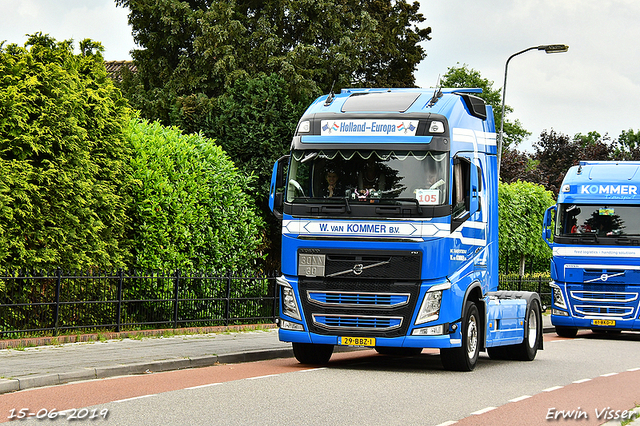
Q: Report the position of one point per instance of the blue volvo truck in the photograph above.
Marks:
(594, 232)
(389, 209)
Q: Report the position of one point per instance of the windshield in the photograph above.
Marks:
(368, 176)
(598, 220)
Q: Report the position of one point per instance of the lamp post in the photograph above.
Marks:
(548, 48)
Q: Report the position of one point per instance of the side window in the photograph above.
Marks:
(466, 187)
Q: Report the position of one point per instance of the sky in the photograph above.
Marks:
(595, 86)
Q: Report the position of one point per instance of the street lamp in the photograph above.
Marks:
(548, 48)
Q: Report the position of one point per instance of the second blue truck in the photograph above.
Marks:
(595, 266)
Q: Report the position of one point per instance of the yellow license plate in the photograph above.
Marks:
(357, 341)
(603, 322)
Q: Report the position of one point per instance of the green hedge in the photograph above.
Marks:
(64, 160)
(190, 204)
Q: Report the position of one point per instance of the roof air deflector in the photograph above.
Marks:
(475, 105)
(380, 102)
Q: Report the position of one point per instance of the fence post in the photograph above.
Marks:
(56, 317)
(276, 306)
(119, 313)
(175, 299)
(539, 285)
(227, 309)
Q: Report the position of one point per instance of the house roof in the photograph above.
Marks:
(114, 68)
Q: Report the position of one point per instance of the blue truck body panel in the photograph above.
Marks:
(399, 260)
(595, 266)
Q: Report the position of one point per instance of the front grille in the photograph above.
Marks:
(357, 323)
(604, 300)
(336, 298)
(372, 308)
(606, 311)
(369, 292)
(602, 296)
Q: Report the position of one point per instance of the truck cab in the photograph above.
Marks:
(594, 232)
(389, 208)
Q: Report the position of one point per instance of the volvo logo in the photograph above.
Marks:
(357, 268)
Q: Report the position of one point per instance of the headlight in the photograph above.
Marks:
(558, 298)
(436, 330)
(288, 325)
(289, 303)
(430, 309)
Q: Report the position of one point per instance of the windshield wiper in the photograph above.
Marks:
(411, 200)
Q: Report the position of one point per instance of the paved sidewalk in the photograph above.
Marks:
(53, 365)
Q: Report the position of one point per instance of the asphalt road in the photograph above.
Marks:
(586, 375)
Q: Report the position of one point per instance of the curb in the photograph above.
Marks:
(115, 335)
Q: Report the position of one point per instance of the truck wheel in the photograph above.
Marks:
(310, 353)
(394, 351)
(566, 331)
(527, 350)
(465, 358)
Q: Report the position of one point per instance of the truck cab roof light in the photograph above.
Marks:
(305, 127)
(436, 127)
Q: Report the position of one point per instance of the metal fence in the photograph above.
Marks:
(50, 303)
(538, 283)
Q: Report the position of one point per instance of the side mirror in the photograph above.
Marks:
(546, 225)
(276, 198)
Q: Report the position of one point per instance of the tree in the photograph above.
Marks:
(463, 76)
(521, 208)
(202, 46)
(516, 165)
(627, 146)
(64, 161)
(556, 153)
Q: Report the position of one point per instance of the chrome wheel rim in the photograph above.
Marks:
(533, 329)
(472, 337)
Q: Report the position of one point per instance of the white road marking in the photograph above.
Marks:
(135, 397)
(520, 398)
(204, 386)
(484, 410)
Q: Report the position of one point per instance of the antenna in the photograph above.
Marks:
(329, 99)
(437, 94)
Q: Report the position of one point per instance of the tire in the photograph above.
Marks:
(394, 351)
(465, 358)
(568, 332)
(310, 353)
(527, 350)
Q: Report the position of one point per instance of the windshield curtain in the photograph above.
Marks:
(365, 175)
(598, 220)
